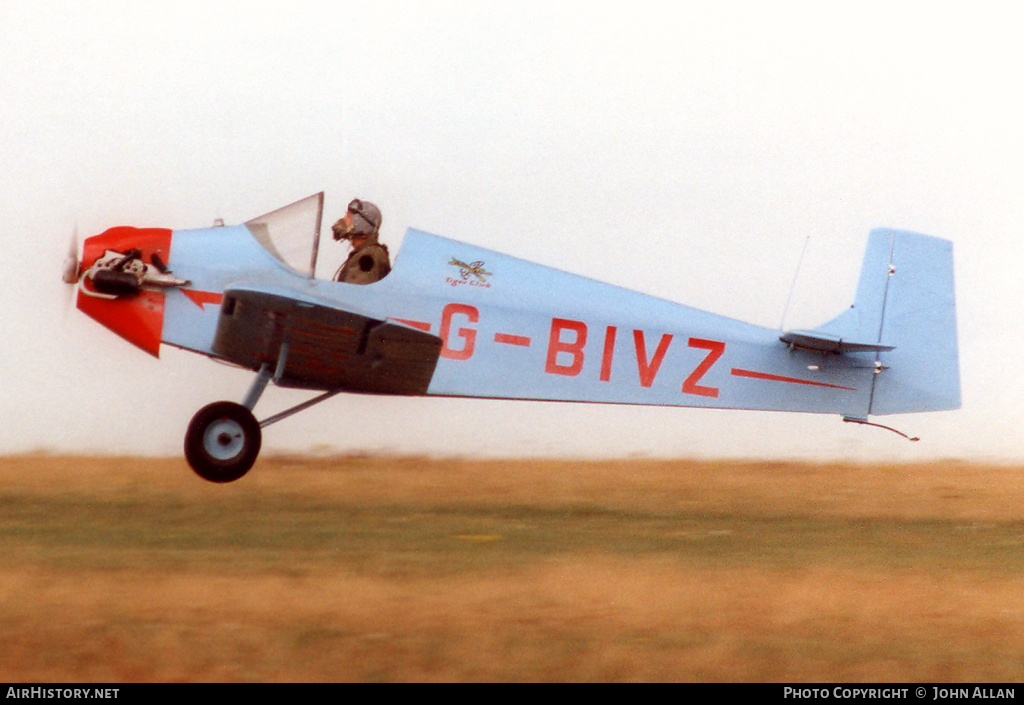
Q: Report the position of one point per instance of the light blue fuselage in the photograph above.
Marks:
(513, 329)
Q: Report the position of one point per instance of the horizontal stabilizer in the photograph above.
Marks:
(823, 342)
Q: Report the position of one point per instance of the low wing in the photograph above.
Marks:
(320, 347)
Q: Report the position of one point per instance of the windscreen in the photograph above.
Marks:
(292, 233)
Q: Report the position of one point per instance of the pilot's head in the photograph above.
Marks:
(360, 223)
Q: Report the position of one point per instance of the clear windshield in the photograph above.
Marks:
(292, 233)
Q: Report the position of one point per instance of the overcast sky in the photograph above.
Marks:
(686, 150)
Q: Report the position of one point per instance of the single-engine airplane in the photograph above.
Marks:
(452, 319)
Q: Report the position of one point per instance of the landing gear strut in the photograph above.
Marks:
(224, 438)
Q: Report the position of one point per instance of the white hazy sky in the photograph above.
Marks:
(682, 149)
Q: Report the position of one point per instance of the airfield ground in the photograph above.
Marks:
(398, 569)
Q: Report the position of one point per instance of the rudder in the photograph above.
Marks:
(922, 372)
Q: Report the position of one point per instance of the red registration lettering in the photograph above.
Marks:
(648, 370)
(715, 349)
(609, 350)
(468, 335)
(575, 349)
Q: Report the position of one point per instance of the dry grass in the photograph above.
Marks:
(945, 490)
(398, 569)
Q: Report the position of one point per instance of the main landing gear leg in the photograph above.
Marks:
(224, 438)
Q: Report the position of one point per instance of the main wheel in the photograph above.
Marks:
(222, 441)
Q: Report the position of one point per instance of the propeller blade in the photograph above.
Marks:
(71, 272)
(71, 261)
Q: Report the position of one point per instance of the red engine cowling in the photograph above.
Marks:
(138, 317)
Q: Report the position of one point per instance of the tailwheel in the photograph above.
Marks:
(222, 441)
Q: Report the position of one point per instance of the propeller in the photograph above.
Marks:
(71, 269)
(71, 262)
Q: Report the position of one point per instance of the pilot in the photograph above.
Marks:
(369, 260)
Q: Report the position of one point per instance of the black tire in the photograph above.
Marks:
(222, 441)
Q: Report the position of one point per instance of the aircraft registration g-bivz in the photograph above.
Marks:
(452, 319)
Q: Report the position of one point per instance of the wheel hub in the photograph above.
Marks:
(224, 439)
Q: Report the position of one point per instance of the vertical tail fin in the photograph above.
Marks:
(920, 320)
(906, 299)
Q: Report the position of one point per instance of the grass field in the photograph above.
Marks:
(398, 569)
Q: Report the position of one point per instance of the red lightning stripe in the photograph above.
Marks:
(420, 325)
(519, 340)
(780, 378)
(203, 297)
